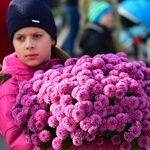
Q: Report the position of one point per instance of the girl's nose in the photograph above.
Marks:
(30, 44)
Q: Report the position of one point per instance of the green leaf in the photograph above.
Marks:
(135, 145)
(43, 147)
(66, 143)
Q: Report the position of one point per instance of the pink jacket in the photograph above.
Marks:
(13, 135)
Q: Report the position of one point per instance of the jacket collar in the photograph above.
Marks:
(12, 64)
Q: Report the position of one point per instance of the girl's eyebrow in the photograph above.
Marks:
(18, 34)
(21, 34)
(38, 32)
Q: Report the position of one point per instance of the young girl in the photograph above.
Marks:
(32, 33)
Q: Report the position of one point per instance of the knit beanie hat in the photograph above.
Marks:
(97, 9)
(30, 13)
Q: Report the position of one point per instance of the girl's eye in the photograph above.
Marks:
(37, 36)
(20, 38)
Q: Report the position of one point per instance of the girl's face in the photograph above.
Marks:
(107, 20)
(33, 45)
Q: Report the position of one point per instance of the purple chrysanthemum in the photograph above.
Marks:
(116, 139)
(78, 114)
(44, 136)
(110, 90)
(112, 123)
(144, 141)
(57, 143)
(61, 132)
(76, 140)
(125, 146)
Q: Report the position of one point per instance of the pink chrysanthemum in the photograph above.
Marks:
(34, 109)
(78, 133)
(87, 106)
(21, 118)
(112, 123)
(93, 130)
(78, 114)
(82, 95)
(120, 93)
(122, 85)
(144, 141)
(40, 125)
(68, 110)
(135, 131)
(77, 140)
(66, 100)
(37, 85)
(122, 117)
(69, 124)
(146, 113)
(90, 137)
(83, 79)
(84, 72)
(110, 90)
(61, 132)
(145, 125)
(52, 121)
(101, 101)
(41, 115)
(98, 62)
(85, 124)
(97, 89)
(35, 139)
(116, 139)
(70, 62)
(57, 143)
(87, 65)
(44, 136)
(102, 112)
(128, 136)
(125, 146)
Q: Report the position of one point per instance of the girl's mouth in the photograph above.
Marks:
(32, 56)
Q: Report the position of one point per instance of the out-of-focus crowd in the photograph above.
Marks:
(129, 32)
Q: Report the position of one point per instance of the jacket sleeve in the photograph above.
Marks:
(13, 135)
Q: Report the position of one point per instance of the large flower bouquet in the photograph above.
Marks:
(87, 99)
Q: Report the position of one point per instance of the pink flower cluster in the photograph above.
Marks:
(86, 99)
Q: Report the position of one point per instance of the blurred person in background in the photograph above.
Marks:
(83, 9)
(71, 18)
(97, 36)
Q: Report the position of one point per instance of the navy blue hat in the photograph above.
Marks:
(26, 13)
